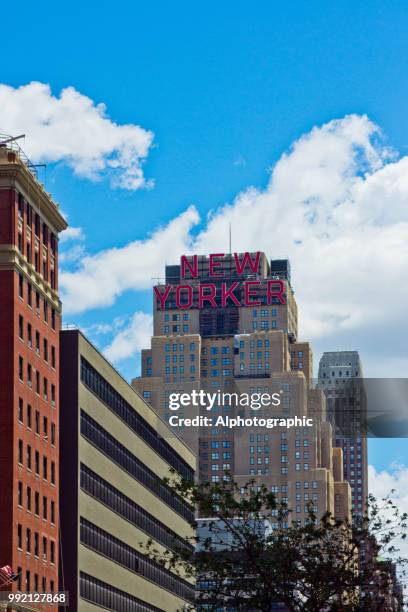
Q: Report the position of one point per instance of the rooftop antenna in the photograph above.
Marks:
(11, 139)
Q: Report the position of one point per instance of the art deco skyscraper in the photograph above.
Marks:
(243, 345)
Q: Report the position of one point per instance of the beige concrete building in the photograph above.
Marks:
(246, 349)
(114, 451)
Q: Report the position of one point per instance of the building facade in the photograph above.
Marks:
(246, 344)
(340, 377)
(30, 312)
(114, 452)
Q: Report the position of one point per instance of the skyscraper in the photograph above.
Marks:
(228, 323)
(340, 376)
(30, 312)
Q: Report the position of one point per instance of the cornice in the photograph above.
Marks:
(34, 192)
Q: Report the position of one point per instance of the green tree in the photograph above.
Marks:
(249, 553)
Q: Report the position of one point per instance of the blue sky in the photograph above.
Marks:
(226, 89)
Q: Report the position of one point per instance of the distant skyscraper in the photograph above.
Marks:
(340, 376)
(245, 343)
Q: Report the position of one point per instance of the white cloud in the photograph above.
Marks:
(131, 339)
(103, 277)
(101, 329)
(74, 129)
(72, 233)
(74, 254)
(336, 204)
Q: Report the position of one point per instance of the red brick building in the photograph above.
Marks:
(29, 356)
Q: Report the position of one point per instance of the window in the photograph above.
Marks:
(118, 405)
(128, 509)
(28, 580)
(44, 547)
(20, 327)
(29, 335)
(20, 410)
(52, 472)
(28, 457)
(19, 536)
(45, 468)
(36, 503)
(37, 383)
(53, 512)
(52, 552)
(45, 427)
(20, 368)
(53, 434)
(45, 347)
(21, 286)
(29, 375)
(92, 431)
(29, 295)
(45, 508)
(20, 451)
(20, 494)
(37, 422)
(37, 302)
(53, 318)
(37, 463)
(28, 540)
